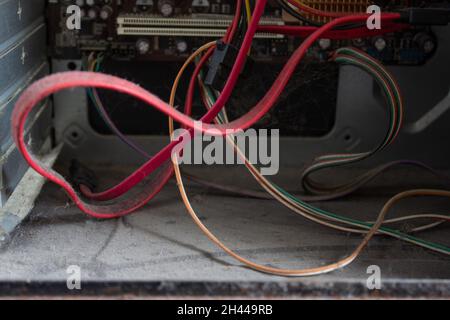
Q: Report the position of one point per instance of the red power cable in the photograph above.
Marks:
(305, 31)
(235, 24)
(247, 120)
(53, 83)
(188, 110)
(166, 152)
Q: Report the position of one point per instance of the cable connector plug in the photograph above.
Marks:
(426, 16)
(221, 64)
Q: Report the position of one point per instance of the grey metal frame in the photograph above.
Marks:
(23, 59)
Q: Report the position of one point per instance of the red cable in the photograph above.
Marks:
(166, 152)
(125, 206)
(53, 83)
(163, 154)
(303, 32)
(241, 123)
(190, 95)
(187, 110)
(235, 24)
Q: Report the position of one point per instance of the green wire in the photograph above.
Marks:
(349, 221)
(372, 61)
(327, 214)
(393, 100)
(359, 223)
(221, 116)
(90, 93)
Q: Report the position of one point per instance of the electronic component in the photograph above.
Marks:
(167, 26)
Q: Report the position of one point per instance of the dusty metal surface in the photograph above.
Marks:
(22, 199)
(159, 251)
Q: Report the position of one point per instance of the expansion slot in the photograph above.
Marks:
(185, 32)
(188, 21)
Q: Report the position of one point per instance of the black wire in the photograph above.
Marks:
(242, 28)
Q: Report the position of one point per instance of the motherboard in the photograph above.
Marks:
(171, 30)
(138, 39)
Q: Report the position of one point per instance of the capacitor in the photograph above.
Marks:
(425, 42)
(92, 13)
(181, 46)
(143, 46)
(166, 7)
(379, 43)
(106, 12)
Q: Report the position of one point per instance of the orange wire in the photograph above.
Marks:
(328, 14)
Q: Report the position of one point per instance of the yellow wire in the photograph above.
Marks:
(248, 9)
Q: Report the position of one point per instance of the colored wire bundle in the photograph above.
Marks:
(123, 198)
(316, 214)
(94, 66)
(302, 208)
(391, 91)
